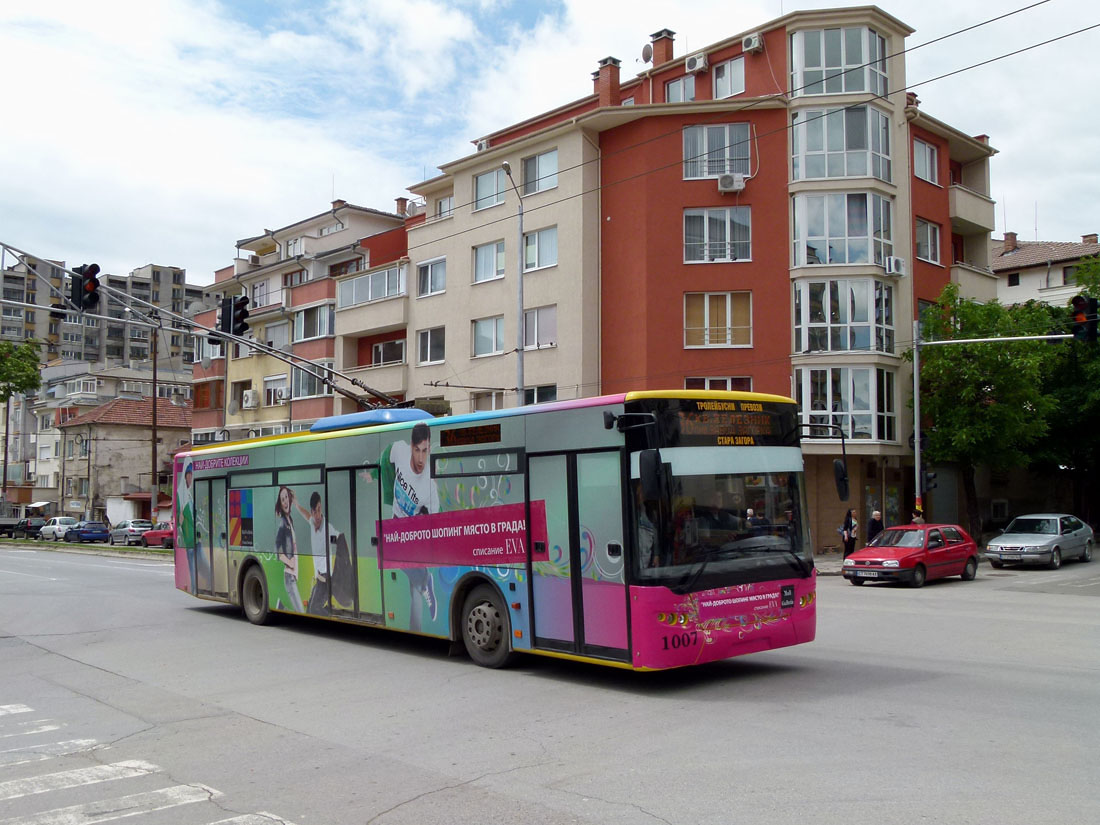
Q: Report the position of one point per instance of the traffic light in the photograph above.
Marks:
(234, 314)
(84, 287)
(1084, 318)
(929, 479)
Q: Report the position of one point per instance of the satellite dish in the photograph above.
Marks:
(647, 53)
(205, 362)
(233, 407)
(412, 209)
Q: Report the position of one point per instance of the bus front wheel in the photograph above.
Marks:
(254, 595)
(485, 627)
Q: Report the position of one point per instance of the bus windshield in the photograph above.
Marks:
(719, 526)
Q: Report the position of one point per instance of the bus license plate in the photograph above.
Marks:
(870, 574)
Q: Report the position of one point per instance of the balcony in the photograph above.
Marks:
(974, 282)
(373, 317)
(970, 211)
(391, 379)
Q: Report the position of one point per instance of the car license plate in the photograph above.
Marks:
(870, 574)
(1010, 557)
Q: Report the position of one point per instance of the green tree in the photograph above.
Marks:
(983, 403)
(1072, 442)
(18, 368)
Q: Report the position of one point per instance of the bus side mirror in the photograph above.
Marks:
(649, 471)
(840, 473)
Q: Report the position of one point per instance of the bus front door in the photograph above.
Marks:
(579, 593)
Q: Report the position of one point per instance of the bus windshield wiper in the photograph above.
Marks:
(803, 566)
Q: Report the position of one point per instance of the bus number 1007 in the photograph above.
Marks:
(678, 640)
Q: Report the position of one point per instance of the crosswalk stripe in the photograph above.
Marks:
(119, 808)
(16, 788)
(254, 819)
(5, 710)
(43, 727)
(38, 753)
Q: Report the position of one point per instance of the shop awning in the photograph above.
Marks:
(40, 504)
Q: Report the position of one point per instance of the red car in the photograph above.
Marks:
(914, 553)
(162, 535)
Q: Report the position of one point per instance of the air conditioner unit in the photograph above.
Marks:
(254, 260)
(482, 145)
(752, 43)
(250, 399)
(895, 266)
(281, 395)
(734, 182)
(695, 63)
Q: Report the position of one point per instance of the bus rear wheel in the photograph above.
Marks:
(254, 595)
(486, 628)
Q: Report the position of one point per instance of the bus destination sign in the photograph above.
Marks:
(730, 423)
(469, 436)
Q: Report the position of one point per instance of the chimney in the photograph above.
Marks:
(662, 46)
(402, 206)
(1089, 238)
(1010, 242)
(607, 82)
(336, 204)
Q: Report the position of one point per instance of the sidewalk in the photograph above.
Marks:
(828, 564)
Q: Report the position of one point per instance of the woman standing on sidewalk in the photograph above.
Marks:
(848, 532)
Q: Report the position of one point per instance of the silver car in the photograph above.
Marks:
(129, 531)
(1041, 538)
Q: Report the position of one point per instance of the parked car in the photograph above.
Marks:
(56, 527)
(915, 553)
(7, 525)
(1041, 538)
(27, 528)
(129, 531)
(84, 531)
(163, 535)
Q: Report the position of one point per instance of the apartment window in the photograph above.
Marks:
(43, 481)
(856, 314)
(387, 352)
(838, 143)
(925, 161)
(293, 247)
(274, 389)
(242, 350)
(540, 327)
(1014, 279)
(277, 336)
(680, 90)
(345, 267)
(540, 172)
(205, 348)
(298, 276)
(331, 229)
(80, 386)
(488, 336)
(710, 151)
(717, 234)
(383, 283)
(540, 395)
(480, 401)
(83, 487)
(431, 345)
(431, 277)
(834, 61)
(314, 322)
(237, 389)
(540, 249)
(727, 384)
(45, 422)
(859, 400)
(1069, 275)
(489, 262)
(717, 319)
(45, 451)
(445, 207)
(928, 241)
(305, 385)
(489, 189)
(209, 395)
(842, 229)
(627, 101)
(729, 78)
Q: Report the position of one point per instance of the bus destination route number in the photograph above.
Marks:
(728, 423)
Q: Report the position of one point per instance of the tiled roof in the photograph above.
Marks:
(1039, 253)
(138, 413)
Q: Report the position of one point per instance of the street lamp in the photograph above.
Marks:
(519, 288)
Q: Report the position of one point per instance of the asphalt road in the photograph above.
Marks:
(957, 703)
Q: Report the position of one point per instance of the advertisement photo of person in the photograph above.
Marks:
(322, 535)
(415, 493)
(185, 519)
(286, 546)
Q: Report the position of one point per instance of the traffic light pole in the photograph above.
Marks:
(917, 344)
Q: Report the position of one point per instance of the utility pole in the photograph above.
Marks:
(153, 443)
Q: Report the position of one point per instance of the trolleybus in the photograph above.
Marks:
(645, 530)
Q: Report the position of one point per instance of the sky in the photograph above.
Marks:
(136, 132)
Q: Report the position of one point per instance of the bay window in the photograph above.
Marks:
(710, 151)
(838, 228)
(843, 142)
(836, 61)
(859, 400)
(839, 315)
(718, 234)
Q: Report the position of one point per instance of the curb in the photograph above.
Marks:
(148, 553)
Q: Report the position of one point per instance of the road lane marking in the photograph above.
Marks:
(43, 728)
(5, 710)
(262, 818)
(111, 809)
(28, 575)
(39, 753)
(16, 788)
